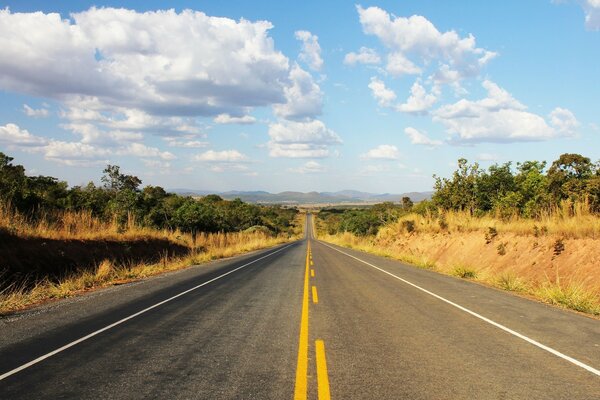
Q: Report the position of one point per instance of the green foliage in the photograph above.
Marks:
(122, 198)
(528, 192)
(363, 221)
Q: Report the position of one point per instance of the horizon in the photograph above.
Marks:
(379, 102)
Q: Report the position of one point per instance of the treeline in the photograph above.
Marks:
(362, 221)
(528, 190)
(121, 198)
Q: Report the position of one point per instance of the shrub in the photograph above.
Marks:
(464, 272)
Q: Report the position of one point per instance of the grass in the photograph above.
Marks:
(82, 226)
(107, 274)
(570, 221)
(572, 295)
(512, 283)
(464, 272)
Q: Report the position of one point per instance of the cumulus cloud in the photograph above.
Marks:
(420, 138)
(384, 96)
(13, 136)
(224, 161)
(419, 101)
(225, 156)
(75, 153)
(228, 119)
(311, 51)
(310, 167)
(382, 152)
(414, 42)
(291, 139)
(364, 56)
(501, 118)
(398, 64)
(592, 14)
(162, 62)
(35, 113)
(304, 99)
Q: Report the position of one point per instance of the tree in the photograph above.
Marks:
(407, 203)
(114, 180)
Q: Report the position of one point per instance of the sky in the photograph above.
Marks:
(376, 96)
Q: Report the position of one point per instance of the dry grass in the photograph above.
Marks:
(216, 246)
(569, 221)
(577, 293)
(82, 226)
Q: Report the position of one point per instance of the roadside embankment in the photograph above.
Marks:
(39, 262)
(553, 262)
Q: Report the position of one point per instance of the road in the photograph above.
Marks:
(302, 320)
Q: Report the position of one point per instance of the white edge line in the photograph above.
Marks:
(48, 355)
(481, 317)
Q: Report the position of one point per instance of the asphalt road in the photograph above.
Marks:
(304, 320)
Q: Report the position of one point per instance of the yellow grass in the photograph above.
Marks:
(82, 226)
(520, 257)
(69, 226)
(568, 221)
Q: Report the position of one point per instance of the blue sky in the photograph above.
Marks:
(374, 96)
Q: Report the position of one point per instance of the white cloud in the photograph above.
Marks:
(398, 65)
(304, 99)
(419, 138)
(13, 136)
(35, 113)
(228, 119)
(91, 134)
(419, 101)
(161, 62)
(501, 118)
(225, 156)
(141, 150)
(364, 56)
(592, 14)
(563, 121)
(292, 139)
(311, 51)
(382, 152)
(384, 96)
(75, 153)
(487, 157)
(414, 42)
(310, 167)
(188, 144)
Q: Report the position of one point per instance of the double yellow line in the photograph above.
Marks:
(301, 388)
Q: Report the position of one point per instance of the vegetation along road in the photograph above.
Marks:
(301, 320)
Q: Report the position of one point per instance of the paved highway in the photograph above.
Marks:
(302, 320)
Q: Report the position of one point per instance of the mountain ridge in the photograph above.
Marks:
(313, 197)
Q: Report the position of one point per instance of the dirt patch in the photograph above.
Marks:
(548, 258)
(25, 261)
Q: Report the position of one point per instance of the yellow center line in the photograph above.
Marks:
(314, 295)
(300, 389)
(312, 273)
(322, 375)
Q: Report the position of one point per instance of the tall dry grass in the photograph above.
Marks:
(570, 220)
(83, 226)
(450, 244)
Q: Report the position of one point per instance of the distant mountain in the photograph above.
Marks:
(289, 197)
